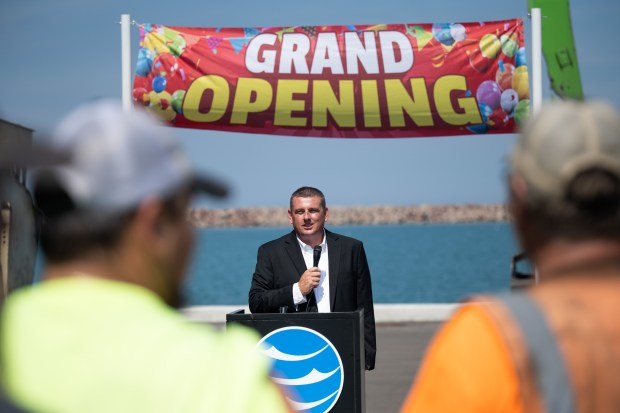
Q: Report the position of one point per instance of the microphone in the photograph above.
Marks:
(317, 255)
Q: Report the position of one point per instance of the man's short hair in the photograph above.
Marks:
(307, 192)
(569, 157)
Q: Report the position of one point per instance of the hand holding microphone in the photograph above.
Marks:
(312, 276)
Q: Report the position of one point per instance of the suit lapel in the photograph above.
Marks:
(333, 249)
(291, 245)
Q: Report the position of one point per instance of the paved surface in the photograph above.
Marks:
(400, 348)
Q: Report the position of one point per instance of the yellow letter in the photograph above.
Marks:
(468, 114)
(246, 88)
(324, 99)
(370, 103)
(285, 104)
(399, 101)
(197, 92)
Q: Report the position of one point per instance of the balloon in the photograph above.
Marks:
(160, 105)
(441, 32)
(166, 65)
(458, 32)
(509, 43)
(177, 101)
(490, 46)
(145, 60)
(140, 95)
(478, 62)
(509, 100)
(489, 93)
(159, 84)
(520, 82)
(520, 59)
(522, 111)
(503, 76)
(485, 112)
(497, 119)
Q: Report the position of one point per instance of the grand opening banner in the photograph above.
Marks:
(365, 81)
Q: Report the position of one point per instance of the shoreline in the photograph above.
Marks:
(356, 215)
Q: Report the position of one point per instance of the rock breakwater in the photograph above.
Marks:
(358, 215)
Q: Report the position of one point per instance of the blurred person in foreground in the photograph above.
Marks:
(99, 333)
(286, 277)
(555, 347)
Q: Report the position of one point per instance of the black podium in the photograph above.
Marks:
(319, 357)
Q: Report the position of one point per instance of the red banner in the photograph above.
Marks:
(381, 81)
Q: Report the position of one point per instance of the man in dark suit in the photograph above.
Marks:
(286, 278)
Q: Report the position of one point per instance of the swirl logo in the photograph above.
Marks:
(307, 365)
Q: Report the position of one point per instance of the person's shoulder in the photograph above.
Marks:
(286, 238)
(342, 238)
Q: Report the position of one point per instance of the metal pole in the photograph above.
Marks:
(536, 60)
(126, 61)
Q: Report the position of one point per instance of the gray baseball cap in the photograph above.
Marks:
(119, 158)
(564, 139)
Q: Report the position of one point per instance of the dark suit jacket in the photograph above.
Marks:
(280, 263)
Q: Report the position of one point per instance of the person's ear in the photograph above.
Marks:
(290, 216)
(326, 213)
(149, 220)
(518, 194)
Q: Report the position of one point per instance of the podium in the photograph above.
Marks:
(318, 357)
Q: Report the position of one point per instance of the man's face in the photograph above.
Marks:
(179, 237)
(308, 218)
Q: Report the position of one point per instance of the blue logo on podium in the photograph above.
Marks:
(307, 366)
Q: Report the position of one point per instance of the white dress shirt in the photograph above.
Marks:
(321, 292)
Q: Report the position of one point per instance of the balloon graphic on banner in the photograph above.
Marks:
(503, 76)
(509, 100)
(490, 46)
(161, 106)
(485, 112)
(520, 58)
(159, 84)
(497, 119)
(140, 95)
(521, 82)
(165, 65)
(489, 94)
(510, 44)
(145, 60)
(478, 62)
(522, 111)
(441, 32)
(177, 101)
(458, 32)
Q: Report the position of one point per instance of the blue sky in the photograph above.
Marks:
(58, 54)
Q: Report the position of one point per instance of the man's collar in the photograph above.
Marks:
(307, 247)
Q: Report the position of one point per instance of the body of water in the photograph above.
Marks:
(429, 263)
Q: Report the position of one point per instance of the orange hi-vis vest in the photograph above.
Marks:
(554, 349)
